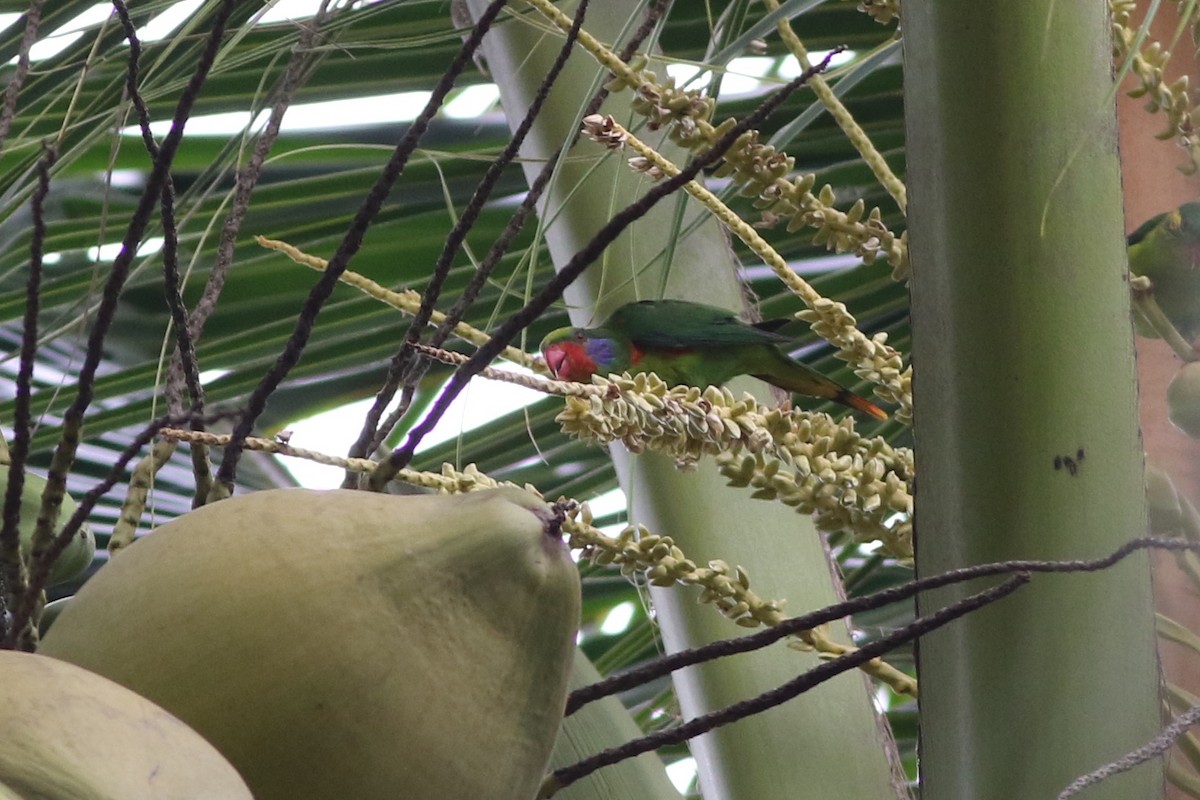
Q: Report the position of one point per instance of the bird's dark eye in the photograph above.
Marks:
(580, 336)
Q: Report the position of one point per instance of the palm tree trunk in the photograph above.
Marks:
(1026, 413)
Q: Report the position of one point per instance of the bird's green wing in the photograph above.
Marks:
(678, 324)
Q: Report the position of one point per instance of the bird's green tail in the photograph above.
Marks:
(796, 377)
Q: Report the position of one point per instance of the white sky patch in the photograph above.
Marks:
(682, 73)
(327, 115)
(472, 102)
(882, 699)
(682, 773)
(790, 67)
(159, 27)
(107, 252)
(744, 75)
(224, 124)
(870, 548)
(804, 267)
(289, 10)
(334, 431)
(42, 373)
(163, 25)
(63, 37)
(608, 503)
(611, 501)
(207, 376)
(380, 109)
(127, 178)
(296, 10)
(617, 620)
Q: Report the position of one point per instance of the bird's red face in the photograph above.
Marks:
(569, 361)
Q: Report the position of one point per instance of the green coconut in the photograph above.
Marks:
(78, 554)
(347, 644)
(69, 734)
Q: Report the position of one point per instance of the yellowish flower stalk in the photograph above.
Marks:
(407, 301)
(727, 588)
(841, 115)
(1148, 63)
(872, 358)
(140, 483)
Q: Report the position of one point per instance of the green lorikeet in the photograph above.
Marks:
(1166, 249)
(688, 343)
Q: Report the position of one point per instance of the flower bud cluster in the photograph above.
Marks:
(662, 563)
(687, 111)
(882, 11)
(641, 412)
(855, 231)
(635, 550)
(809, 461)
(1149, 64)
(875, 360)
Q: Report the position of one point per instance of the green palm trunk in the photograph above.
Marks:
(1021, 329)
